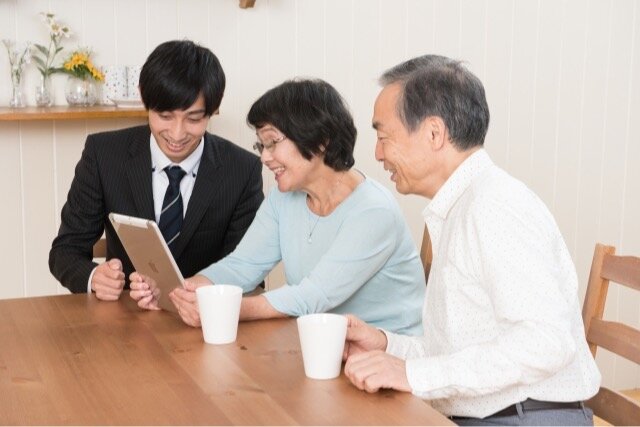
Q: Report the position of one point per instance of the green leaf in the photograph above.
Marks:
(59, 49)
(40, 62)
(42, 49)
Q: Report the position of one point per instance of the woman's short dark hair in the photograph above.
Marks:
(176, 73)
(312, 114)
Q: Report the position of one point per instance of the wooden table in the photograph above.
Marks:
(75, 360)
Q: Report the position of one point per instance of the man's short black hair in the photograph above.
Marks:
(313, 115)
(176, 73)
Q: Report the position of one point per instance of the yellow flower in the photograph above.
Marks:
(79, 64)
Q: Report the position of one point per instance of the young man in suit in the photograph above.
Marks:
(202, 190)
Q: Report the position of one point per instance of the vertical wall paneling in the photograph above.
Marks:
(499, 38)
(223, 41)
(338, 67)
(522, 88)
(366, 40)
(161, 22)
(37, 148)
(12, 242)
(447, 27)
(542, 156)
(473, 32)
(283, 43)
(193, 20)
(132, 44)
(102, 22)
(310, 36)
(393, 32)
(561, 79)
(252, 65)
(569, 119)
(421, 29)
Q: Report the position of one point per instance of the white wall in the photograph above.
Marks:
(561, 77)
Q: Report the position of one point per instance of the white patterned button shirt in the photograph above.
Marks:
(501, 317)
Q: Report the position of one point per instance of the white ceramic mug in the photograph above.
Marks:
(219, 307)
(322, 337)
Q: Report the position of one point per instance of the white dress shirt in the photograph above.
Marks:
(160, 180)
(501, 316)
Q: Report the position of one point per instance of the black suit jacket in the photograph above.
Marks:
(114, 175)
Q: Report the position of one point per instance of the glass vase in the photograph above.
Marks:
(44, 97)
(17, 99)
(81, 92)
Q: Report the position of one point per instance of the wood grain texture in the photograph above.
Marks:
(619, 338)
(563, 100)
(69, 113)
(74, 360)
(615, 408)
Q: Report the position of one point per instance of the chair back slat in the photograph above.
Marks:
(624, 270)
(616, 337)
(615, 408)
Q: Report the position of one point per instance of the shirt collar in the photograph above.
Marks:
(457, 184)
(159, 160)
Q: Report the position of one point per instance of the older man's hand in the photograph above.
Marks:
(374, 370)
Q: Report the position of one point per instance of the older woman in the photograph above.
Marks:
(340, 235)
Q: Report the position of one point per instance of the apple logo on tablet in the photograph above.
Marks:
(153, 266)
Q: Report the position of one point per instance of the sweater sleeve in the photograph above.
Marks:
(256, 254)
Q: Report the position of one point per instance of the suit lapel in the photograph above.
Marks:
(139, 173)
(204, 191)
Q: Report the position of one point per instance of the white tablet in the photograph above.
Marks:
(149, 254)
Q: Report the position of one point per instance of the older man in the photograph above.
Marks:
(503, 338)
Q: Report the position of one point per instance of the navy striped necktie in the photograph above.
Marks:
(172, 208)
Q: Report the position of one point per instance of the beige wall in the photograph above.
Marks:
(562, 80)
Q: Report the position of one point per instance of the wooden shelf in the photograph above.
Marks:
(69, 113)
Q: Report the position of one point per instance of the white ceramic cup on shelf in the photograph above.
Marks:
(115, 83)
(133, 81)
(219, 307)
(322, 337)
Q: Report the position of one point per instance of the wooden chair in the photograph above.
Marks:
(426, 253)
(616, 337)
(100, 248)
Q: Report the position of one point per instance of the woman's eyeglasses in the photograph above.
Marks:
(269, 146)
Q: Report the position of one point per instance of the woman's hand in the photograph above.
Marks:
(186, 302)
(144, 291)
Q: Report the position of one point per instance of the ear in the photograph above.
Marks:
(436, 131)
